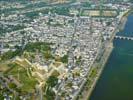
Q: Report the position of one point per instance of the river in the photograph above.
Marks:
(116, 81)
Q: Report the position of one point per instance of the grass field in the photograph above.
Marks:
(97, 13)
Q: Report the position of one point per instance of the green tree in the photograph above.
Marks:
(64, 59)
(52, 81)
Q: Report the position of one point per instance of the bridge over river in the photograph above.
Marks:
(123, 37)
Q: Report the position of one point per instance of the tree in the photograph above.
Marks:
(52, 81)
(64, 59)
(47, 55)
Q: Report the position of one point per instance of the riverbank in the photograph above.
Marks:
(115, 83)
(97, 67)
(100, 67)
(94, 74)
(121, 25)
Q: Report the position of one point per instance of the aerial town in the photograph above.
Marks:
(47, 52)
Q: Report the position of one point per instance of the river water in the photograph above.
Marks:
(116, 81)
